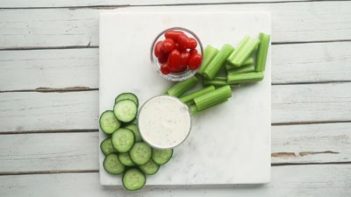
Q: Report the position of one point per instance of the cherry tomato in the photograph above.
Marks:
(180, 68)
(158, 49)
(195, 61)
(182, 41)
(193, 52)
(165, 69)
(192, 43)
(168, 45)
(162, 58)
(171, 34)
(184, 56)
(174, 60)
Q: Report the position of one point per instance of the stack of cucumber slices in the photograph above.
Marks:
(124, 150)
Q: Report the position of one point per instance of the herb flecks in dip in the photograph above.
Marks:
(164, 122)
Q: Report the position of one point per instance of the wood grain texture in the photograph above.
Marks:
(32, 111)
(52, 111)
(35, 69)
(55, 152)
(84, 3)
(311, 63)
(288, 181)
(49, 152)
(292, 22)
(69, 68)
(315, 143)
(311, 103)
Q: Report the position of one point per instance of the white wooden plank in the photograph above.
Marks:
(313, 62)
(292, 63)
(311, 103)
(48, 152)
(75, 3)
(292, 22)
(32, 69)
(53, 111)
(23, 111)
(288, 181)
(311, 143)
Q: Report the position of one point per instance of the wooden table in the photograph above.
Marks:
(49, 98)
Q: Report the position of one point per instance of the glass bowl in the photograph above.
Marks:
(181, 75)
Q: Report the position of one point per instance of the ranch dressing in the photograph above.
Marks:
(164, 122)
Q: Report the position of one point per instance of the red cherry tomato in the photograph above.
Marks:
(195, 61)
(172, 34)
(180, 68)
(177, 69)
(165, 69)
(168, 45)
(193, 52)
(158, 49)
(174, 59)
(162, 58)
(183, 42)
(184, 56)
(192, 43)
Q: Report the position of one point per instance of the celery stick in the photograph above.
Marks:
(250, 61)
(193, 109)
(224, 78)
(209, 53)
(191, 96)
(215, 82)
(213, 98)
(240, 46)
(217, 62)
(262, 52)
(235, 78)
(244, 52)
(181, 87)
(242, 69)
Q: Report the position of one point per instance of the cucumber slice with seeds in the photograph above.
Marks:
(108, 122)
(125, 110)
(112, 165)
(140, 153)
(123, 140)
(107, 147)
(133, 127)
(133, 179)
(149, 168)
(161, 156)
(125, 159)
(127, 95)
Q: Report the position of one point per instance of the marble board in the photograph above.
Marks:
(229, 143)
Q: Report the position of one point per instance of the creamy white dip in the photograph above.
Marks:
(164, 122)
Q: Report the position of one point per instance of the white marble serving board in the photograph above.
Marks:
(228, 144)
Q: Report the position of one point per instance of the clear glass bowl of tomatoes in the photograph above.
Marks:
(177, 53)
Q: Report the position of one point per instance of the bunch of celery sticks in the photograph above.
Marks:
(221, 69)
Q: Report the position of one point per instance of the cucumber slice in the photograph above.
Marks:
(125, 110)
(140, 153)
(127, 95)
(112, 165)
(107, 147)
(108, 122)
(133, 179)
(149, 168)
(133, 127)
(161, 156)
(123, 140)
(125, 159)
